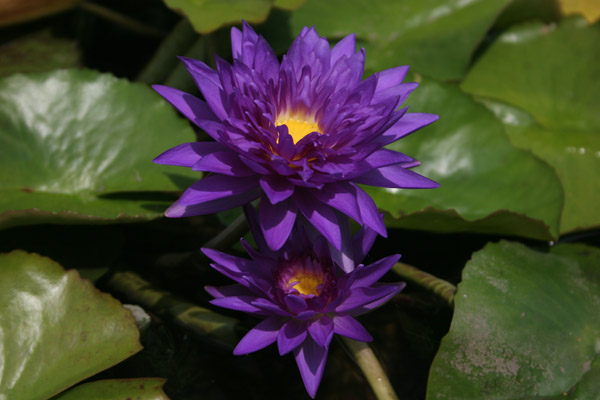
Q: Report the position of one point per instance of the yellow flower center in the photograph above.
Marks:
(306, 283)
(298, 127)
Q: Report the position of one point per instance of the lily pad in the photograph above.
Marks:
(209, 15)
(57, 329)
(70, 140)
(525, 326)
(437, 38)
(139, 389)
(487, 185)
(38, 52)
(549, 75)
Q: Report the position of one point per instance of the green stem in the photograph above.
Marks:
(165, 58)
(199, 320)
(372, 369)
(121, 20)
(442, 288)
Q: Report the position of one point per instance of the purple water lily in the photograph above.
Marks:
(303, 296)
(300, 134)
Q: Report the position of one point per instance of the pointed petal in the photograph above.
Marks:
(276, 188)
(311, 359)
(344, 258)
(345, 47)
(187, 154)
(366, 276)
(216, 187)
(321, 330)
(390, 77)
(408, 124)
(362, 242)
(223, 162)
(369, 213)
(291, 335)
(178, 210)
(347, 326)
(209, 84)
(259, 337)
(228, 291)
(395, 176)
(295, 303)
(371, 297)
(238, 303)
(192, 108)
(276, 222)
(342, 197)
(320, 216)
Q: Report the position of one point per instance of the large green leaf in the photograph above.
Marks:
(38, 52)
(113, 389)
(525, 326)
(55, 328)
(486, 184)
(71, 139)
(552, 74)
(435, 37)
(209, 15)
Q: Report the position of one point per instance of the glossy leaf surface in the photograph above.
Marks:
(57, 329)
(139, 389)
(483, 184)
(549, 75)
(71, 139)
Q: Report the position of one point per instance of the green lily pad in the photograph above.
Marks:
(70, 140)
(525, 326)
(487, 185)
(57, 329)
(551, 75)
(437, 38)
(140, 389)
(38, 52)
(209, 15)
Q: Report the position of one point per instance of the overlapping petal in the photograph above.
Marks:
(302, 132)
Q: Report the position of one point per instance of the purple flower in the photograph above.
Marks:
(300, 134)
(302, 295)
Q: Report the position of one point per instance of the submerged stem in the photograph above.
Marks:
(442, 288)
(121, 20)
(372, 369)
(177, 42)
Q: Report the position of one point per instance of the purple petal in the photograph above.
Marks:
(345, 47)
(177, 210)
(192, 108)
(321, 330)
(385, 157)
(408, 124)
(362, 242)
(238, 303)
(295, 303)
(216, 187)
(187, 154)
(369, 213)
(291, 335)
(276, 188)
(342, 197)
(366, 276)
(344, 257)
(373, 297)
(347, 326)
(228, 291)
(394, 176)
(259, 337)
(311, 359)
(236, 42)
(321, 216)
(390, 77)
(276, 222)
(223, 162)
(209, 84)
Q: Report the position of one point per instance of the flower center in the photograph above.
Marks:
(306, 283)
(298, 128)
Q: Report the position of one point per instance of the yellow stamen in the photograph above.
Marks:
(298, 128)
(307, 283)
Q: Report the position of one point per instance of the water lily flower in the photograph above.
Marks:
(300, 134)
(302, 295)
